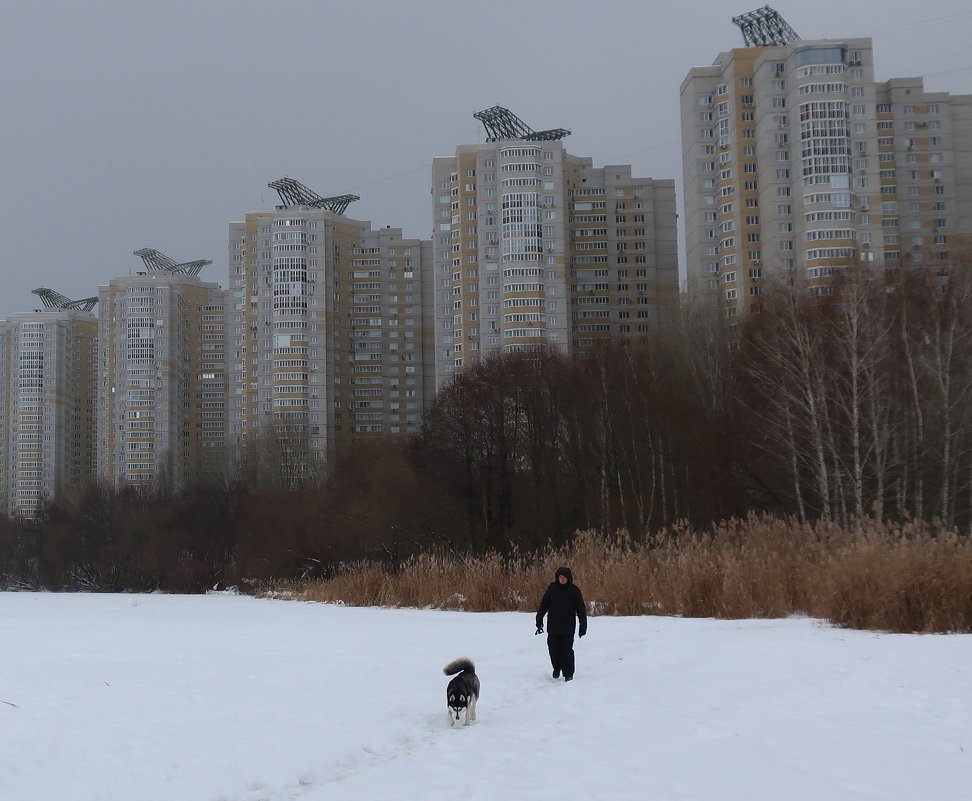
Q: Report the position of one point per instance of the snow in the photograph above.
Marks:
(229, 698)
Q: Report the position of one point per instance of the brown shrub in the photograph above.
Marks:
(904, 579)
(907, 580)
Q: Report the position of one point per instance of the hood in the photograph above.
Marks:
(564, 571)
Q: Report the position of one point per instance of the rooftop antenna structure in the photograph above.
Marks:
(159, 262)
(764, 27)
(55, 300)
(294, 193)
(501, 123)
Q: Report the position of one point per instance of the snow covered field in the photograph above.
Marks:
(230, 698)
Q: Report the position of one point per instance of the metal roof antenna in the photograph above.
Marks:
(501, 123)
(294, 193)
(158, 262)
(55, 300)
(764, 27)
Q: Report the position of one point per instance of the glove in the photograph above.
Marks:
(581, 634)
(539, 630)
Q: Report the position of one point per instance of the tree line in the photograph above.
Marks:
(836, 408)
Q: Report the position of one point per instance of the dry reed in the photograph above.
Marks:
(901, 579)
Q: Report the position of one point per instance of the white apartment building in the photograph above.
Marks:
(162, 378)
(47, 406)
(328, 328)
(799, 166)
(536, 248)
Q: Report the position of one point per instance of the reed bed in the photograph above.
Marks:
(904, 578)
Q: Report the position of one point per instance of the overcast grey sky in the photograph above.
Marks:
(129, 124)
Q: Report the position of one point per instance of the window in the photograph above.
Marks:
(821, 54)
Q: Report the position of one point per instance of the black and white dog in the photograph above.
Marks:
(463, 690)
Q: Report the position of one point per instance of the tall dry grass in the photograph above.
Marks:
(880, 577)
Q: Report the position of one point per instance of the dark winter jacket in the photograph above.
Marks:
(563, 605)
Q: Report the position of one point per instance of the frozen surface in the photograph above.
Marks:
(230, 698)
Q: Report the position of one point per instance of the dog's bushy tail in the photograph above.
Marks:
(457, 665)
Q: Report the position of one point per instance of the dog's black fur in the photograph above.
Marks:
(463, 690)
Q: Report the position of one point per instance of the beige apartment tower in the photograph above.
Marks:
(536, 248)
(329, 329)
(162, 376)
(798, 166)
(47, 402)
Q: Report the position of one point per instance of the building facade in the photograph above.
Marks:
(798, 166)
(536, 248)
(162, 379)
(48, 417)
(329, 330)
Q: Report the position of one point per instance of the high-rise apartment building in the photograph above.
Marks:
(162, 375)
(799, 166)
(328, 327)
(536, 248)
(48, 417)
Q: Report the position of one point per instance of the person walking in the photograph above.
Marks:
(563, 605)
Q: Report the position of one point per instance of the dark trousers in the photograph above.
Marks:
(561, 648)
